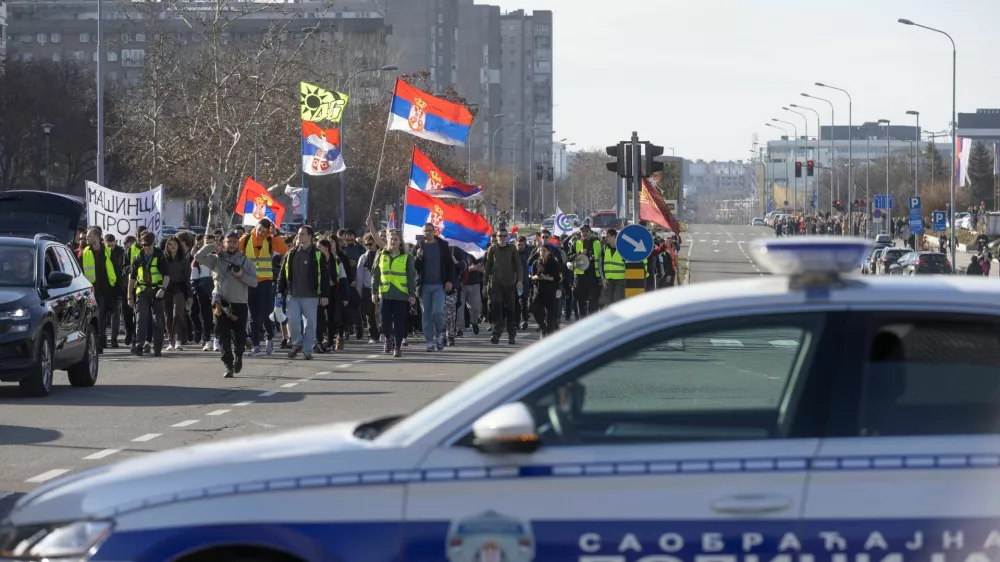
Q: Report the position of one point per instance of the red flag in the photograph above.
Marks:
(255, 203)
(653, 208)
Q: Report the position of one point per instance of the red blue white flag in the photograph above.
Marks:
(460, 228)
(428, 117)
(427, 177)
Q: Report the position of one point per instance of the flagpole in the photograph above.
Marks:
(381, 158)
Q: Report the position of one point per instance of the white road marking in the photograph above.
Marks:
(268, 393)
(46, 476)
(343, 365)
(244, 403)
(101, 454)
(304, 380)
(185, 423)
(360, 361)
(784, 343)
(726, 343)
(323, 373)
(289, 384)
(373, 356)
(146, 437)
(218, 412)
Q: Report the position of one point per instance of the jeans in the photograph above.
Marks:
(233, 333)
(150, 319)
(261, 303)
(432, 306)
(394, 313)
(503, 303)
(301, 314)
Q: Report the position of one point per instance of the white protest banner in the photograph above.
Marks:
(122, 214)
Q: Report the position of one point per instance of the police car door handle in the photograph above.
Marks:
(745, 504)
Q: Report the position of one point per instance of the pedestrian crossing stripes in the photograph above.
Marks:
(690, 344)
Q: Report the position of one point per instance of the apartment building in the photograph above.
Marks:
(3, 29)
(67, 30)
(526, 82)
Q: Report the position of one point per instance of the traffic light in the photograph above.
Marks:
(622, 165)
(539, 172)
(652, 151)
(550, 175)
(837, 205)
(798, 169)
(809, 168)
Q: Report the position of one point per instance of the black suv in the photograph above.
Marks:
(48, 315)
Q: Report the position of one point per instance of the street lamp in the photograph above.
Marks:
(851, 190)
(343, 122)
(818, 127)
(493, 143)
(513, 194)
(954, 126)
(795, 148)
(552, 164)
(833, 143)
(514, 151)
(788, 169)
(805, 179)
(888, 207)
(916, 155)
(47, 128)
(531, 176)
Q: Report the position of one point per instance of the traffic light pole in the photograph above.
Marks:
(636, 177)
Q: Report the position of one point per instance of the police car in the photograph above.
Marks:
(804, 416)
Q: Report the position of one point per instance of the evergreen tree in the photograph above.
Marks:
(932, 165)
(981, 175)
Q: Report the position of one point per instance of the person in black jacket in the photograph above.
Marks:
(435, 270)
(118, 261)
(303, 286)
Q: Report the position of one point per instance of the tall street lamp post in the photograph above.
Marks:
(851, 190)
(788, 165)
(47, 128)
(833, 146)
(916, 155)
(343, 123)
(805, 179)
(493, 144)
(531, 175)
(954, 126)
(818, 127)
(795, 159)
(888, 208)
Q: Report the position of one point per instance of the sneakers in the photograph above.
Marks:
(406, 343)
(451, 341)
(255, 351)
(387, 348)
(215, 344)
(340, 343)
(307, 356)
(372, 341)
(137, 351)
(147, 347)
(440, 342)
(397, 353)
(238, 364)
(284, 343)
(431, 347)
(178, 347)
(294, 352)
(495, 339)
(207, 346)
(229, 373)
(510, 340)
(269, 348)
(475, 329)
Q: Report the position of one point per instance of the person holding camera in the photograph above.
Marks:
(234, 275)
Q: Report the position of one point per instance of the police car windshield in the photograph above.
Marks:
(487, 385)
(17, 266)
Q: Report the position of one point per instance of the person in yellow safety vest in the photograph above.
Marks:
(100, 271)
(394, 291)
(260, 246)
(145, 291)
(586, 287)
(613, 268)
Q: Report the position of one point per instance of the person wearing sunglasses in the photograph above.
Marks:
(147, 279)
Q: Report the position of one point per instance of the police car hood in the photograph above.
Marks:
(199, 470)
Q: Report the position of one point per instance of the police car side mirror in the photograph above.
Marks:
(506, 429)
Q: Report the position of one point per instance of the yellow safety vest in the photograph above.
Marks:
(133, 252)
(392, 273)
(614, 265)
(265, 268)
(596, 248)
(90, 268)
(319, 271)
(155, 277)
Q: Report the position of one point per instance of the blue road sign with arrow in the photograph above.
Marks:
(635, 243)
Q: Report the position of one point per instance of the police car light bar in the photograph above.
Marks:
(824, 256)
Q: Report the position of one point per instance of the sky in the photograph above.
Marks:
(703, 76)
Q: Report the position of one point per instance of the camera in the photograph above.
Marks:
(234, 268)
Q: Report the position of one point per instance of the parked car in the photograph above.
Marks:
(888, 257)
(25, 213)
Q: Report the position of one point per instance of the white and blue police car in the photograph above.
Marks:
(804, 416)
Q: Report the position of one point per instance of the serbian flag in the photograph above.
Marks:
(460, 228)
(255, 203)
(427, 177)
(654, 209)
(321, 154)
(428, 117)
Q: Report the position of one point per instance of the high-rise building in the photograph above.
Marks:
(67, 30)
(3, 29)
(526, 84)
(479, 71)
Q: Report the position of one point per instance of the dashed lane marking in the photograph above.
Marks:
(244, 403)
(289, 384)
(304, 380)
(323, 373)
(146, 437)
(373, 357)
(343, 365)
(218, 412)
(784, 343)
(360, 361)
(101, 454)
(185, 423)
(48, 475)
(726, 343)
(268, 393)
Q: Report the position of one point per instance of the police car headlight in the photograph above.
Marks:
(18, 314)
(63, 542)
